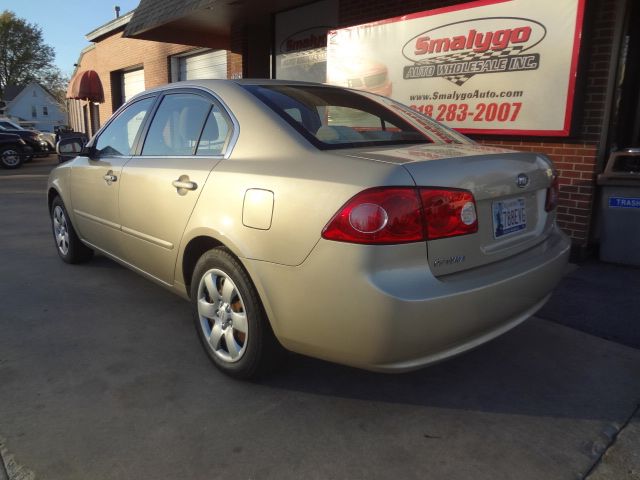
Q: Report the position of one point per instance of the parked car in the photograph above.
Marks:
(13, 150)
(335, 223)
(35, 139)
(48, 137)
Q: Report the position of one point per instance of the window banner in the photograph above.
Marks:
(301, 41)
(486, 67)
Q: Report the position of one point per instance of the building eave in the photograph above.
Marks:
(110, 27)
(205, 23)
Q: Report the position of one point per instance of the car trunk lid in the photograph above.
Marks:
(509, 188)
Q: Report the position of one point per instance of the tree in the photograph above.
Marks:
(56, 84)
(24, 57)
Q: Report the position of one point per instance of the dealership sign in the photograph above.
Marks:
(491, 66)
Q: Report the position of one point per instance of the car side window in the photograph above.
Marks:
(215, 134)
(176, 125)
(118, 137)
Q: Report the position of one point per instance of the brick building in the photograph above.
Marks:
(602, 116)
(126, 66)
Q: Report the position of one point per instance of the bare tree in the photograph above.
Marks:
(56, 84)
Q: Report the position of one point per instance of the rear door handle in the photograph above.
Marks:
(184, 184)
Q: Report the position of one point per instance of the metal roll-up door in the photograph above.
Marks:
(132, 83)
(212, 64)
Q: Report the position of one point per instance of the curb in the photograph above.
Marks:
(10, 469)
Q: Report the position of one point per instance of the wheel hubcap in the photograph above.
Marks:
(223, 318)
(11, 158)
(60, 230)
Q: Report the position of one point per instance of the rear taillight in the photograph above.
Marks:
(448, 213)
(378, 215)
(553, 194)
(389, 215)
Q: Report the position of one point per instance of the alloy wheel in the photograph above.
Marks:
(11, 158)
(60, 229)
(223, 317)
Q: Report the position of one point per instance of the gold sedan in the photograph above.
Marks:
(329, 222)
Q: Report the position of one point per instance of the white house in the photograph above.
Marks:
(33, 106)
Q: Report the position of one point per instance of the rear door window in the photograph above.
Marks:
(177, 125)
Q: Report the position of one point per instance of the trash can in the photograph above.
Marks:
(620, 208)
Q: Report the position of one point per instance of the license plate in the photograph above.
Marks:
(509, 216)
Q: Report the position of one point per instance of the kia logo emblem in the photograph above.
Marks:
(522, 180)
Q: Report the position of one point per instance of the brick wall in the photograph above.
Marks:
(234, 65)
(355, 12)
(238, 46)
(596, 55)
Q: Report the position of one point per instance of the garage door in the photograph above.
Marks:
(212, 64)
(132, 83)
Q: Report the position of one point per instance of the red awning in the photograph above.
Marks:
(86, 86)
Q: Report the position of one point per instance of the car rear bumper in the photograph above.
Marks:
(373, 307)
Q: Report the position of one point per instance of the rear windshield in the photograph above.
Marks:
(331, 117)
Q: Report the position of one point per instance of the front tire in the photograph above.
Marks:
(68, 245)
(229, 318)
(10, 157)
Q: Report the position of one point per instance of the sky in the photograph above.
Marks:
(64, 23)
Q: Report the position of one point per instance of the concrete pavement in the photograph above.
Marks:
(601, 299)
(101, 377)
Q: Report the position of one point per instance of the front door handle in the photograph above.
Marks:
(183, 183)
(110, 177)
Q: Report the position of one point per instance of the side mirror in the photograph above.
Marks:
(69, 147)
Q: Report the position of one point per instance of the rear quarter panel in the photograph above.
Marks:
(308, 189)
(308, 185)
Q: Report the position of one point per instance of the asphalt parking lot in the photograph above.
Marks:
(102, 377)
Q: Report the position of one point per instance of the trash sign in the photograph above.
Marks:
(624, 202)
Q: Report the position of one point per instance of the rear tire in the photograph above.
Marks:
(229, 318)
(10, 157)
(68, 245)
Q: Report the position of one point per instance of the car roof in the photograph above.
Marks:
(211, 84)
(269, 81)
